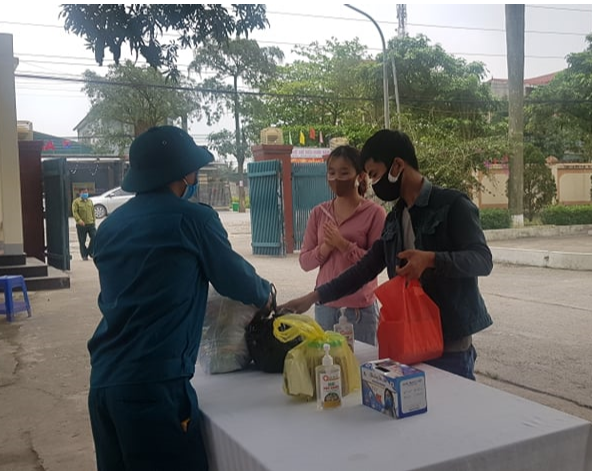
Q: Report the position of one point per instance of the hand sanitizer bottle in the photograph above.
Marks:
(345, 328)
(328, 379)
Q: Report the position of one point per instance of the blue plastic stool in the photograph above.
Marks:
(7, 284)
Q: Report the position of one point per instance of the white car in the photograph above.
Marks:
(109, 201)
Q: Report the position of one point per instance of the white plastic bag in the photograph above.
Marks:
(223, 346)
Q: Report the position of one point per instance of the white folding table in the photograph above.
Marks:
(251, 425)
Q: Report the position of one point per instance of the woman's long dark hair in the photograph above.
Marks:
(353, 155)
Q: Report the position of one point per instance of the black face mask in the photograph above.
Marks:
(386, 190)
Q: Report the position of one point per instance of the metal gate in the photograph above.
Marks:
(309, 188)
(55, 186)
(266, 199)
(32, 198)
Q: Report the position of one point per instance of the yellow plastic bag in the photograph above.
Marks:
(301, 361)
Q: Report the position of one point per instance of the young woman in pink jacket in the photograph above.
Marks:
(338, 234)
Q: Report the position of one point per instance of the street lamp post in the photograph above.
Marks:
(384, 71)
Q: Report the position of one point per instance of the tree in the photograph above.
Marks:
(224, 143)
(539, 185)
(453, 163)
(439, 89)
(560, 114)
(447, 111)
(138, 98)
(239, 60)
(515, 48)
(339, 84)
(141, 26)
(332, 85)
(336, 88)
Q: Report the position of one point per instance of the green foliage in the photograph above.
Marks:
(235, 199)
(539, 185)
(559, 114)
(130, 99)
(446, 108)
(567, 215)
(495, 218)
(141, 26)
(438, 88)
(239, 60)
(453, 163)
(356, 134)
(328, 85)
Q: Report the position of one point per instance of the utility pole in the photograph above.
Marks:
(385, 92)
(515, 57)
(402, 17)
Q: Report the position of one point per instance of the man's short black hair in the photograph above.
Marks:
(386, 144)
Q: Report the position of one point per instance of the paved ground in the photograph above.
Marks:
(581, 243)
(539, 348)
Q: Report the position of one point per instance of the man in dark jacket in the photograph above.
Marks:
(432, 234)
(156, 256)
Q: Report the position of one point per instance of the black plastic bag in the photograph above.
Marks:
(268, 352)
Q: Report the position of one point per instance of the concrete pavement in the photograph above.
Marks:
(539, 346)
(564, 247)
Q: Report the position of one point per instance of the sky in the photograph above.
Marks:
(473, 32)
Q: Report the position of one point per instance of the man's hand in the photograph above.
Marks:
(300, 305)
(333, 237)
(80, 223)
(417, 262)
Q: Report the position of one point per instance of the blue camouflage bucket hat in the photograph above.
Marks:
(160, 156)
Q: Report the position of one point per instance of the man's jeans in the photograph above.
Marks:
(458, 363)
(364, 320)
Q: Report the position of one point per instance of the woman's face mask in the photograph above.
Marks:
(343, 187)
(341, 176)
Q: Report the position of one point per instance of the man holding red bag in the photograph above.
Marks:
(432, 234)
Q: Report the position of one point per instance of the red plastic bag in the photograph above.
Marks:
(409, 329)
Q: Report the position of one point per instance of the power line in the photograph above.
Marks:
(343, 18)
(36, 25)
(91, 63)
(422, 25)
(214, 91)
(407, 99)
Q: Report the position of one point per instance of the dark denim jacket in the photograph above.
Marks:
(447, 223)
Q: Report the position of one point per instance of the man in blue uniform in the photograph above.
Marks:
(156, 256)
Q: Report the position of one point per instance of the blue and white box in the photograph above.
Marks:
(394, 389)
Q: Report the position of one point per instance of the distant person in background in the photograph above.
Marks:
(84, 213)
(338, 234)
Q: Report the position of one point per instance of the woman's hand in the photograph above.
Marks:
(325, 249)
(333, 237)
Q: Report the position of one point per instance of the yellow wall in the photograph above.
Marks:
(572, 180)
(493, 194)
(10, 185)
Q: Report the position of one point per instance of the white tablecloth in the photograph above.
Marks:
(251, 425)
